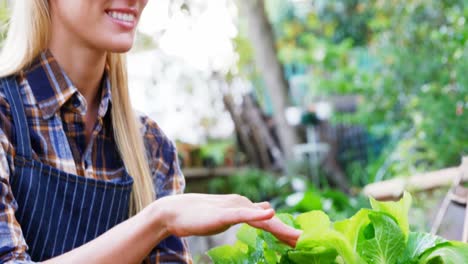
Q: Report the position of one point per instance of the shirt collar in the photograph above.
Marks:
(52, 88)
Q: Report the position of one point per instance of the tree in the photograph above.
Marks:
(261, 35)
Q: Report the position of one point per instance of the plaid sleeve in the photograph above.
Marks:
(163, 160)
(172, 180)
(168, 180)
(12, 244)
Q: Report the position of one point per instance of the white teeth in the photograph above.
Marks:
(122, 16)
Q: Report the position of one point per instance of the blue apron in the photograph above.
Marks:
(59, 211)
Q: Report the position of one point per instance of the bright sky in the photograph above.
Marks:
(190, 48)
(204, 41)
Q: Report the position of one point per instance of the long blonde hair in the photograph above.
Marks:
(28, 35)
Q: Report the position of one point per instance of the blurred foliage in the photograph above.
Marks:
(337, 204)
(4, 16)
(255, 184)
(407, 59)
(215, 152)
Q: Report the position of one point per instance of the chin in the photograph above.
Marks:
(119, 46)
(120, 49)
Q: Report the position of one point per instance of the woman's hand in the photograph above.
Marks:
(283, 232)
(203, 214)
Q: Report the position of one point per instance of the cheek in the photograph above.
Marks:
(78, 19)
(94, 28)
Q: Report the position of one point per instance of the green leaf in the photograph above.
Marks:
(315, 256)
(319, 233)
(446, 253)
(418, 243)
(228, 254)
(332, 240)
(268, 248)
(351, 227)
(273, 243)
(382, 241)
(248, 235)
(258, 253)
(398, 210)
(313, 221)
(270, 256)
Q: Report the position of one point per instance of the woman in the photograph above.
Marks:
(70, 141)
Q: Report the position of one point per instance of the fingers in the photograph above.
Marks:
(263, 215)
(279, 229)
(283, 232)
(244, 214)
(264, 205)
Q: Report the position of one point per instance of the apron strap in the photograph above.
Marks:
(23, 140)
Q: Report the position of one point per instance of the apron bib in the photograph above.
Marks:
(59, 211)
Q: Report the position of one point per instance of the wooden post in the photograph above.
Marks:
(394, 188)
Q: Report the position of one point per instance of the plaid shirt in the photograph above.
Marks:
(55, 111)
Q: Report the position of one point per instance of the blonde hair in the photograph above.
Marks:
(28, 35)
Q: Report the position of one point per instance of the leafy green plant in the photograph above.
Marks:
(380, 235)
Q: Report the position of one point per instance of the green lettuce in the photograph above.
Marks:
(398, 210)
(351, 227)
(382, 241)
(380, 235)
(417, 244)
(227, 254)
(319, 233)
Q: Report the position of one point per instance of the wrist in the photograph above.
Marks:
(158, 219)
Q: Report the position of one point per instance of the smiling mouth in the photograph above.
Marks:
(122, 16)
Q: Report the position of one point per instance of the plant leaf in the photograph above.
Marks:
(418, 243)
(319, 233)
(323, 256)
(228, 254)
(382, 241)
(248, 235)
(313, 221)
(446, 253)
(351, 227)
(398, 210)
